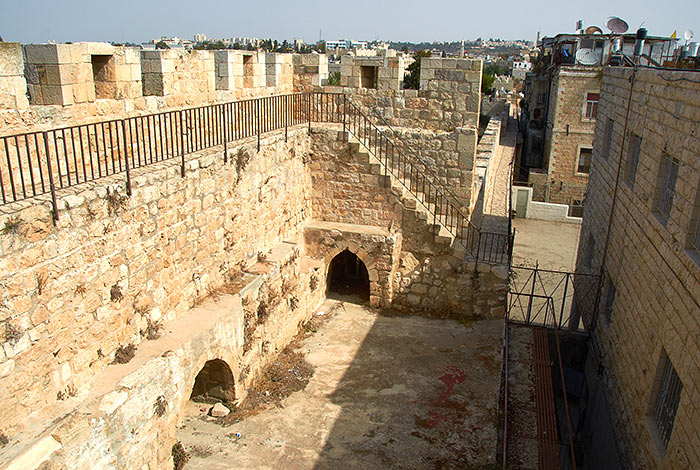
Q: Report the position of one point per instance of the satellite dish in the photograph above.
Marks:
(616, 25)
(688, 35)
(587, 57)
(594, 30)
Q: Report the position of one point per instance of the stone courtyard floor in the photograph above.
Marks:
(387, 392)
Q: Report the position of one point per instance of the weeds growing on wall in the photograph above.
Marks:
(152, 330)
(180, 456)
(116, 202)
(242, 160)
(313, 282)
(160, 406)
(115, 293)
(12, 226)
(13, 333)
(41, 280)
(3, 439)
(124, 354)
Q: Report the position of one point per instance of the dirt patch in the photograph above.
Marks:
(289, 373)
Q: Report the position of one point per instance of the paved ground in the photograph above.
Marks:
(387, 392)
(552, 244)
(498, 181)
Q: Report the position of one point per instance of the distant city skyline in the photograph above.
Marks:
(33, 21)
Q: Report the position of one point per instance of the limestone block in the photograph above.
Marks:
(112, 401)
(35, 455)
(11, 61)
(41, 53)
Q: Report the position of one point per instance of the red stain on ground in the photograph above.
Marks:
(453, 376)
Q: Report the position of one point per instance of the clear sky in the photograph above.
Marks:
(35, 21)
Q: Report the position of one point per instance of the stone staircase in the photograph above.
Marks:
(415, 203)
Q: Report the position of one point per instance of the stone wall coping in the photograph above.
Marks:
(342, 227)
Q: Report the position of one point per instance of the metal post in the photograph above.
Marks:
(223, 113)
(286, 115)
(344, 127)
(532, 293)
(126, 160)
(182, 145)
(310, 95)
(51, 184)
(258, 118)
(563, 300)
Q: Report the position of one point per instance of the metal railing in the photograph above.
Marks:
(551, 299)
(36, 163)
(442, 205)
(42, 162)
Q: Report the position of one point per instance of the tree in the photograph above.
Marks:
(162, 45)
(334, 79)
(412, 80)
(487, 80)
(321, 47)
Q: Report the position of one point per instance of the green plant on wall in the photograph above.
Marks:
(334, 79)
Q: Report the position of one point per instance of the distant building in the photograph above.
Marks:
(560, 108)
(199, 37)
(520, 69)
(345, 44)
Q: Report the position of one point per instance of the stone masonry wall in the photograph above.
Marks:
(429, 277)
(59, 80)
(570, 130)
(651, 263)
(72, 294)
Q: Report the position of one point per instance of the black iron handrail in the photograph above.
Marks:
(41, 162)
(487, 246)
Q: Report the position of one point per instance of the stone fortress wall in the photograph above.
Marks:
(268, 223)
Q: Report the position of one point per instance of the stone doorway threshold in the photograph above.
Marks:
(387, 392)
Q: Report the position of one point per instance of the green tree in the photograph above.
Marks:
(412, 80)
(487, 80)
(321, 47)
(162, 45)
(334, 79)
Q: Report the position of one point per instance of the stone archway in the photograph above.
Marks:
(214, 383)
(348, 275)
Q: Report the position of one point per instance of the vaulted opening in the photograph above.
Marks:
(348, 276)
(214, 383)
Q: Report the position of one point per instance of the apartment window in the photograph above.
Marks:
(576, 208)
(665, 187)
(665, 399)
(540, 97)
(609, 299)
(633, 150)
(591, 105)
(368, 76)
(607, 138)
(584, 161)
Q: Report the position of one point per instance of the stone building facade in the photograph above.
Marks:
(227, 255)
(647, 327)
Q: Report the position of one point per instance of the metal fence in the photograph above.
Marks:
(552, 299)
(42, 162)
(37, 163)
(425, 187)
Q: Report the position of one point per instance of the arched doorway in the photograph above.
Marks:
(214, 383)
(348, 276)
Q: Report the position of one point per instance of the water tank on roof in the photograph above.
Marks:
(694, 49)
